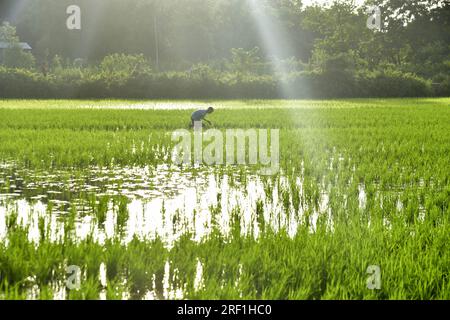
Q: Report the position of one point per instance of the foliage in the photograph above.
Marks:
(332, 42)
(203, 82)
(14, 56)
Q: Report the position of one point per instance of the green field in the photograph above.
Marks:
(90, 183)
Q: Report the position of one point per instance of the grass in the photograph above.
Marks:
(397, 149)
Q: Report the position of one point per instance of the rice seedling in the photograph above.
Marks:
(91, 184)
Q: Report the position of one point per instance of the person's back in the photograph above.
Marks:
(200, 115)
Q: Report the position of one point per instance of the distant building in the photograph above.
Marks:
(7, 45)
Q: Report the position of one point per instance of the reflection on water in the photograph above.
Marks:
(158, 202)
(147, 203)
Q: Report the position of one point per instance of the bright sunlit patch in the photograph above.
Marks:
(16, 10)
(272, 35)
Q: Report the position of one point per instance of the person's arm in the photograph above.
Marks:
(207, 121)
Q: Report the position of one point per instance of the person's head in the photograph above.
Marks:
(210, 110)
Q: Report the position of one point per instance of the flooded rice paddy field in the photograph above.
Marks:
(91, 206)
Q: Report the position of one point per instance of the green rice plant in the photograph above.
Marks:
(366, 180)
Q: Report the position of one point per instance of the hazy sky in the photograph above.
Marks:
(309, 2)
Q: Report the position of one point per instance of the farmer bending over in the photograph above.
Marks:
(200, 115)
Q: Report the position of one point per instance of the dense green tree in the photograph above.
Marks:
(13, 55)
(179, 35)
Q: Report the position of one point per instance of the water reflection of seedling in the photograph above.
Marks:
(261, 220)
(295, 193)
(44, 231)
(11, 220)
(122, 212)
(236, 223)
(6, 185)
(101, 209)
(69, 224)
(286, 198)
(176, 221)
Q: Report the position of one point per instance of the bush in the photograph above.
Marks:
(122, 66)
(205, 83)
(391, 83)
(441, 85)
(21, 83)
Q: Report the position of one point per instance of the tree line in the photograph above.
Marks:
(237, 48)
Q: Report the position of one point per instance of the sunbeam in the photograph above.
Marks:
(14, 10)
(274, 41)
(92, 16)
